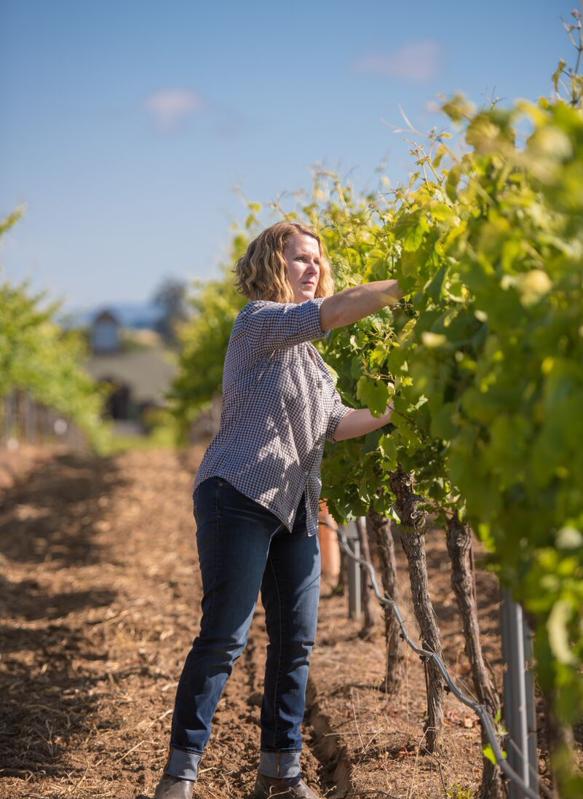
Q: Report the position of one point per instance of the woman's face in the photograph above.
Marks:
(302, 255)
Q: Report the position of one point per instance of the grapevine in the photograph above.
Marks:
(483, 360)
(38, 356)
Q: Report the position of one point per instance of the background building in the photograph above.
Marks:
(130, 355)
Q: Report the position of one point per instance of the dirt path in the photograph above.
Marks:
(99, 604)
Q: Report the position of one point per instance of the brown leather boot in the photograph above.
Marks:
(173, 788)
(280, 788)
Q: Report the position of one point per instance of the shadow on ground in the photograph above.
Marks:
(49, 525)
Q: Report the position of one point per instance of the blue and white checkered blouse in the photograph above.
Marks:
(280, 405)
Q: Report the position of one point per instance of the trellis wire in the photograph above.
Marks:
(425, 654)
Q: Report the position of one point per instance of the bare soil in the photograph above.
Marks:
(99, 603)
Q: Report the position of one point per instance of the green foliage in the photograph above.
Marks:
(37, 355)
(459, 792)
(488, 752)
(484, 357)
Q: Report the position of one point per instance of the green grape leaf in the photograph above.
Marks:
(557, 626)
(373, 393)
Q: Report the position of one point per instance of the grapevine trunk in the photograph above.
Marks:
(382, 534)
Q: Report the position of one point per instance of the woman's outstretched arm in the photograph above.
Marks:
(356, 302)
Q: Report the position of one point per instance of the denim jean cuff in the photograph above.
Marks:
(280, 764)
(183, 764)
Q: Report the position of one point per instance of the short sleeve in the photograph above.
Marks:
(281, 324)
(339, 411)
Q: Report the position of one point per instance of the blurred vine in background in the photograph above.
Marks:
(37, 355)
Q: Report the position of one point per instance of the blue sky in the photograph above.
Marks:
(126, 126)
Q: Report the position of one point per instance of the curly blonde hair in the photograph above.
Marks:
(261, 274)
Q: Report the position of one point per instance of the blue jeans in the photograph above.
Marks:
(244, 548)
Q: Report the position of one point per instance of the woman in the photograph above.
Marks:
(256, 497)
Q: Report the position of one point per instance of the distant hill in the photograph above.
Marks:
(135, 315)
